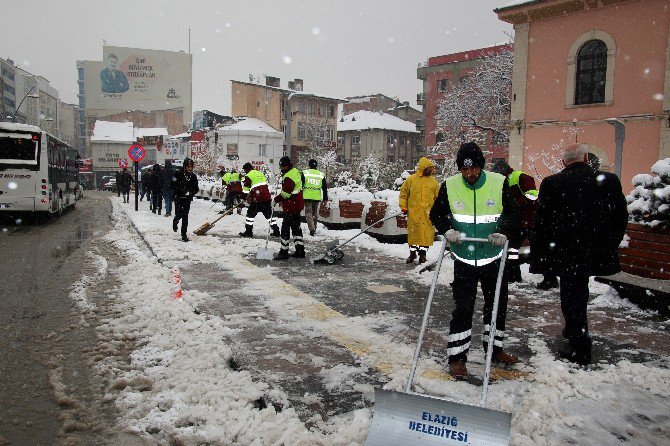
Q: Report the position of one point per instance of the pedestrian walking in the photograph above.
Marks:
(184, 186)
(475, 203)
(125, 181)
(146, 186)
(157, 183)
(257, 194)
(118, 184)
(417, 195)
(168, 175)
(315, 190)
(292, 203)
(581, 218)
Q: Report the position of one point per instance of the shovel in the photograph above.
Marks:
(263, 253)
(408, 418)
(334, 253)
(202, 230)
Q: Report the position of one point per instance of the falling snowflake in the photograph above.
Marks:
(316, 31)
(286, 59)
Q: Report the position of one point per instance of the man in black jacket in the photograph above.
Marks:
(157, 184)
(581, 218)
(184, 187)
(475, 203)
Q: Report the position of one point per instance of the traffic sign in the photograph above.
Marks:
(136, 152)
(123, 163)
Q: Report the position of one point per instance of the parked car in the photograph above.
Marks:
(104, 180)
(110, 185)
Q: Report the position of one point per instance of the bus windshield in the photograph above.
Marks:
(19, 150)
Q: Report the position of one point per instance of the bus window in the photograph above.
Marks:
(17, 150)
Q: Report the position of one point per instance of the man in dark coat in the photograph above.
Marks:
(126, 180)
(146, 187)
(581, 218)
(168, 174)
(157, 183)
(184, 188)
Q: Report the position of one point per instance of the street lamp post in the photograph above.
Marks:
(23, 99)
(619, 136)
(46, 119)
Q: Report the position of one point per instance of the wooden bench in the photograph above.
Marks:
(645, 268)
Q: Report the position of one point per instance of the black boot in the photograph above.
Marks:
(411, 258)
(275, 231)
(422, 257)
(548, 283)
(299, 252)
(185, 239)
(174, 224)
(281, 255)
(248, 231)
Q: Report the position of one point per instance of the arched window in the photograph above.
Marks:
(590, 70)
(591, 73)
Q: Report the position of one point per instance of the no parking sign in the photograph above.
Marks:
(123, 163)
(136, 152)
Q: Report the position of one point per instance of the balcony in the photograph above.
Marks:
(421, 98)
(422, 71)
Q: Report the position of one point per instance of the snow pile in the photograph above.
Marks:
(354, 192)
(79, 290)
(649, 202)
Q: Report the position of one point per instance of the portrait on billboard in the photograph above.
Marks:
(113, 80)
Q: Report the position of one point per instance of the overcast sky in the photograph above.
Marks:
(338, 47)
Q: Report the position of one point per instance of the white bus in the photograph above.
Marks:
(38, 172)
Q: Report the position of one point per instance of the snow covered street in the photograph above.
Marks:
(271, 353)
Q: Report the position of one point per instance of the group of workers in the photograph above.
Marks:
(297, 190)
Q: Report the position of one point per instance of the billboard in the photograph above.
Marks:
(137, 79)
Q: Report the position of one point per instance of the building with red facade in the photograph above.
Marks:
(439, 75)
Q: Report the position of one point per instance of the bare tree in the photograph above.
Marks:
(551, 158)
(481, 101)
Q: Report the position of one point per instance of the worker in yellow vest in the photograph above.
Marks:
(314, 192)
(292, 204)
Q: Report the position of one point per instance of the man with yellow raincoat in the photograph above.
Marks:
(417, 195)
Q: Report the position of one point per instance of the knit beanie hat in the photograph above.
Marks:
(469, 155)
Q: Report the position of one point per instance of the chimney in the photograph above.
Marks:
(272, 81)
(298, 84)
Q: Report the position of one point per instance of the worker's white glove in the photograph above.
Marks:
(497, 239)
(453, 237)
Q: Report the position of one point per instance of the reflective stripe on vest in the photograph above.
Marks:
(313, 185)
(294, 175)
(256, 178)
(514, 181)
(475, 213)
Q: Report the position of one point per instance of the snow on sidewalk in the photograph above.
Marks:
(180, 386)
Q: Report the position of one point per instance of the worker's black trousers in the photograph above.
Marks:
(464, 286)
(291, 224)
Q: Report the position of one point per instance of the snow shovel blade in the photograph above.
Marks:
(323, 259)
(264, 254)
(402, 419)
